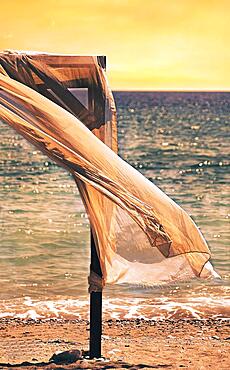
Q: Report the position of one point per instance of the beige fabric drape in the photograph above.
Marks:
(142, 236)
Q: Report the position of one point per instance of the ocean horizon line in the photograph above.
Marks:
(170, 91)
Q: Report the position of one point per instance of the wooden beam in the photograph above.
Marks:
(95, 307)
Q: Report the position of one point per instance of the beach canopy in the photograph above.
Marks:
(62, 104)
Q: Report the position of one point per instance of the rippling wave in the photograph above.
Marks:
(179, 141)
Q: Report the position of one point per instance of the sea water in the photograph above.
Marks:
(177, 140)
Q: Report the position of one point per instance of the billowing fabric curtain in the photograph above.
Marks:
(141, 235)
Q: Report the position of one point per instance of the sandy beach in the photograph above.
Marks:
(126, 344)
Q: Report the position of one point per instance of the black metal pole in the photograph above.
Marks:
(95, 307)
(96, 297)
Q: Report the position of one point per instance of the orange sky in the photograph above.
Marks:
(150, 44)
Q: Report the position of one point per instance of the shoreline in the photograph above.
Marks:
(131, 343)
(181, 304)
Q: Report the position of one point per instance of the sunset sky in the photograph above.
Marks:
(150, 44)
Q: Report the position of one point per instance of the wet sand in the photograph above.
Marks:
(127, 344)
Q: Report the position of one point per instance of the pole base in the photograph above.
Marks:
(95, 324)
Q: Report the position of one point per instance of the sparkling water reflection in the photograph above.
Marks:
(179, 141)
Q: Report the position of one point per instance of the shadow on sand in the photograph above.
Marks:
(82, 364)
(75, 359)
